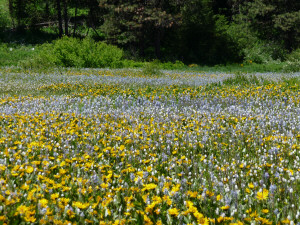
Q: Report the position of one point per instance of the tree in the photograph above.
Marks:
(127, 23)
(274, 20)
(66, 19)
(202, 36)
(59, 17)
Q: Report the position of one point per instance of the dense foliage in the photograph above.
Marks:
(194, 31)
(72, 52)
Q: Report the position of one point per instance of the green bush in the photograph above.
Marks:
(41, 60)
(173, 66)
(152, 68)
(293, 62)
(252, 48)
(132, 64)
(11, 54)
(72, 52)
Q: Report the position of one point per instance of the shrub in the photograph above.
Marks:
(173, 66)
(132, 64)
(41, 60)
(152, 68)
(293, 62)
(252, 48)
(11, 54)
(72, 52)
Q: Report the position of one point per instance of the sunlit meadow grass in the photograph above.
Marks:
(118, 147)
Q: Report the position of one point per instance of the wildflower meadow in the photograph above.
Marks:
(117, 147)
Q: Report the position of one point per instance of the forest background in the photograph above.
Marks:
(261, 34)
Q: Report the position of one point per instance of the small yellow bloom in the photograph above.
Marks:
(29, 169)
(159, 222)
(104, 185)
(43, 202)
(263, 195)
(286, 221)
(225, 207)
(173, 212)
(54, 196)
(2, 218)
(251, 185)
(265, 211)
(149, 187)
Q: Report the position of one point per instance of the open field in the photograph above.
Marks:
(117, 147)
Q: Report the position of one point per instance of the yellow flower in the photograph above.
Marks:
(147, 220)
(159, 222)
(265, 211)
(43, 202)
(173, 212)
(21, 210)
(203, 221)
(286, 221)
(263, 195)
(2, 167)
(70, 213)
(192, 194)
(29, 169)
(29, 218)
(210, 194)
(251, 185)
(25, 187)
(149, 187)
(54, 196)
(81, 205)
(2, 218)
(225, 207)
(167, 199)
(220, 219)
(157, 211)
(104, 185)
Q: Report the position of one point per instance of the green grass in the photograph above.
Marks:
(11, 54)
(236, 68)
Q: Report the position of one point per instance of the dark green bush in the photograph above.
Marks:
(252, 48)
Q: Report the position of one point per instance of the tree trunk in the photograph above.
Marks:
(157, 43)
(47, 10)
(74, 31)
(60, 24)
(10, 5)
(19, 13)
(289, 41)
(66, 18)
(91, 14)
(142, 45)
